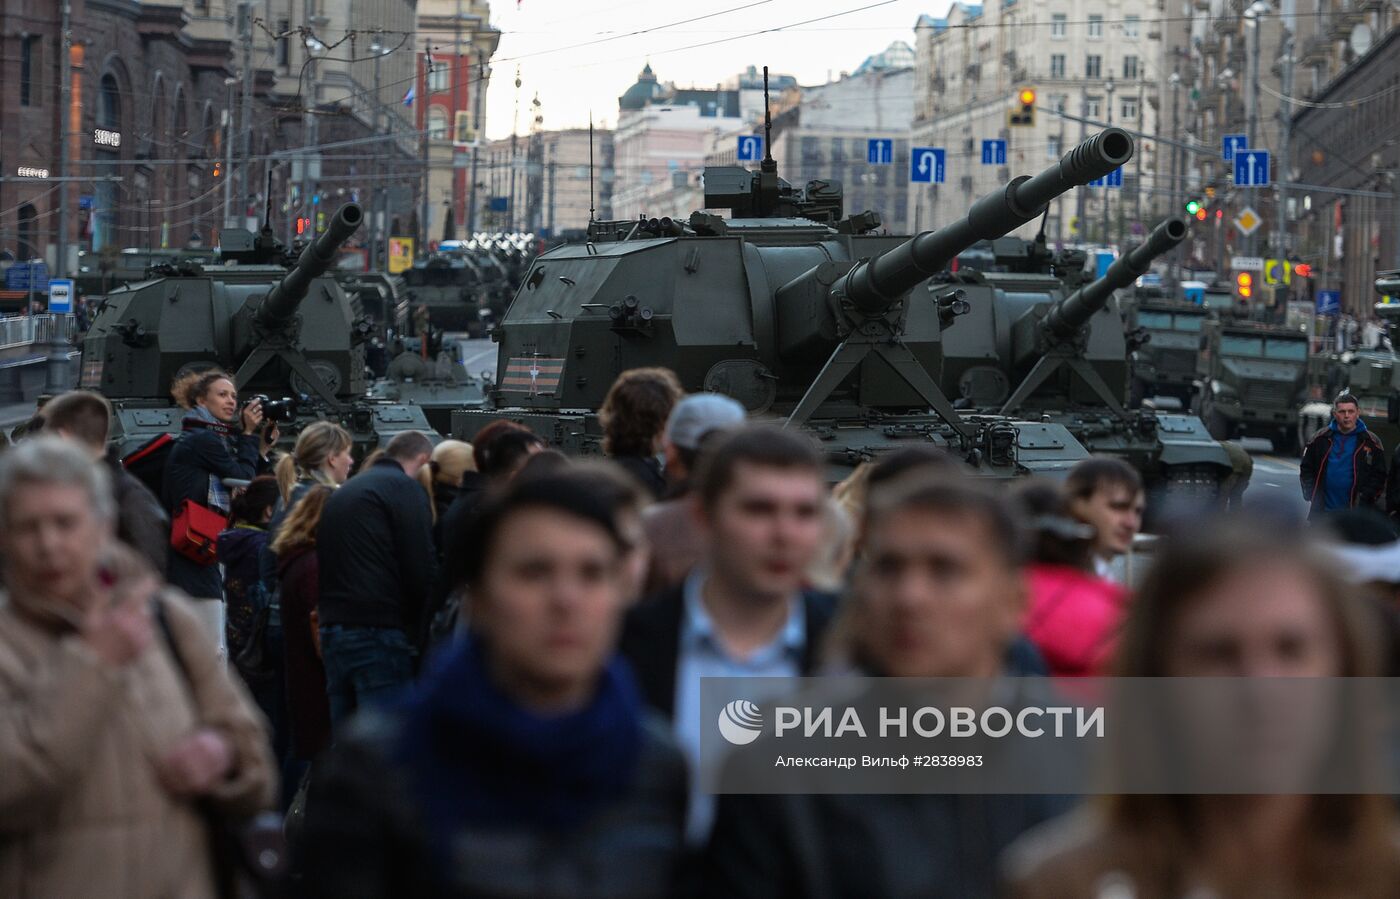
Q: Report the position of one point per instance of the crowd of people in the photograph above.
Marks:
(474, 669)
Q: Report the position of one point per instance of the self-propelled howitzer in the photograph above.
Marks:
(282, 326)
(1036, 347)
(790, 309)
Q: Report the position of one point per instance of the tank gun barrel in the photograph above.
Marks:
(1388, 283)
(1073, 312)
(282, 300)
(875, 285)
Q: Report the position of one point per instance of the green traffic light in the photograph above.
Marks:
(1192, 207)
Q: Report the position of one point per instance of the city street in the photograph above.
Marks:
(1276, 481)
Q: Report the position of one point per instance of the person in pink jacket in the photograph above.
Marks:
(1073, 616)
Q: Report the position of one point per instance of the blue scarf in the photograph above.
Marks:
(476, 757)
(217, 496)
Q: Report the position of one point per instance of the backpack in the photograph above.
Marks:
(147, 462)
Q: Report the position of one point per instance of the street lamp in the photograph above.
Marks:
(1251, 20)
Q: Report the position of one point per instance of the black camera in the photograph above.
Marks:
(280, 411)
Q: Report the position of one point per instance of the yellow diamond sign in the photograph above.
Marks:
(1248, 221)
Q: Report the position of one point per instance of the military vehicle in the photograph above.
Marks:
(1166, 334)
(283, 333)
(1041, 344)
(438, 386)
(450, 288)
(786, 307)
(1253, 379)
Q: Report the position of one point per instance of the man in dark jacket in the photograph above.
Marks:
(742, 612)
(377, 565)
(1344, 464)
(85, 417)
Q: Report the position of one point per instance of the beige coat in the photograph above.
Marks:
(82, 812)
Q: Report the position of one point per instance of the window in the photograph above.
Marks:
(1061, 103)
(1130, 68)
(1130, 26)
(1052, 147)
(1057, 25)
(28, 247)
(284, 43)
(1092, 109)
(1095, 26)
(28, 66)
(1093, 66)
(437, 123)
(1130, 109)
(437, 75)
(1057, 65)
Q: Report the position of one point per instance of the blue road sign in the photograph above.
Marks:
(85, 201)
(1115, 178)
(27, 276)
(60, 295)
(750, 148)
(499, 204)
(926, 164)
(1329, 302)
(994, 152)
(1097, 182)
(1232, 144)
(1252, 168)
(879, 151)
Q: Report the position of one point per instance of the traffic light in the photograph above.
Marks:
(1219, 213)
(1302, 270)
(218, 170)
(1193, 207)
(1024, 111)
(1201, 214)
(302, 224)
(1244, 285)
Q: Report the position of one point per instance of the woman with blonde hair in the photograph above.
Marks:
(443, 477)
(321, 456)
(308, 709)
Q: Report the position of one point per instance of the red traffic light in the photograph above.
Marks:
(301, 225)
(1220, 213)
(1244, 282)
(1201, 214)
(1303, 270)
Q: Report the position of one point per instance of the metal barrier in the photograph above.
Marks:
(23, 330)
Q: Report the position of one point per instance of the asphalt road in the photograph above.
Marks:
(1275, 480)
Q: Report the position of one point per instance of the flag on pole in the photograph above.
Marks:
(408, 97)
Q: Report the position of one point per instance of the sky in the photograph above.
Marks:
(579, 55)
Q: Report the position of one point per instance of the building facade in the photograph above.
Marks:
(663, 137)
(1096, 60)
(825, 134)
(1348, 138)
(453, 108)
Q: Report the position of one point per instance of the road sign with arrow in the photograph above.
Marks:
(750, 148)
(926, 164)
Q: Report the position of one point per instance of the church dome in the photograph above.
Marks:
(640, 93)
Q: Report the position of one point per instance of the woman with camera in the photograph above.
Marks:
(217, 441)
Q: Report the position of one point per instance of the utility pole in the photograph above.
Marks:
(1137, 162)
(423, 101)
(245, 12)
(478, 88)
(552, 153)
(229, 124)
(1108, 101)
(1178, 163)
(514, 131)
(376, 170)
(308, 127)
(1252, 15)
(1282, 166)
(65, 41)
(456, 107)
(1083, 135)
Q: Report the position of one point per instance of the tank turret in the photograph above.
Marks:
(281, 302)
(284, 327)
(790, 308)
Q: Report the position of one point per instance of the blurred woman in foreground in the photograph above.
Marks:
(1233, 602)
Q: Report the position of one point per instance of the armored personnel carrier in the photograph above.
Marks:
(1253, 380)
(438, 386)
(1166, 334)
(283, 332)
(1040, 344)
(783, 306)
(451, 289)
